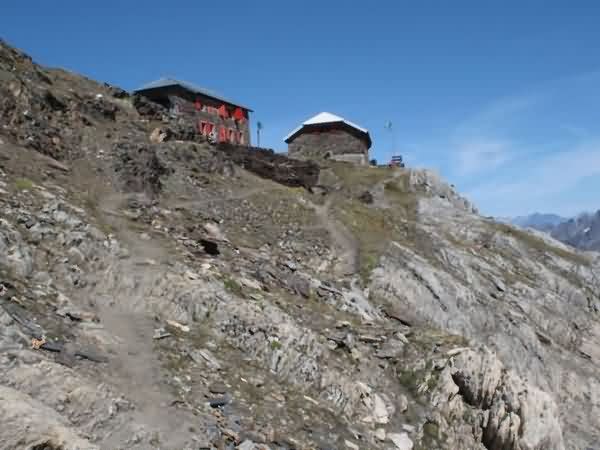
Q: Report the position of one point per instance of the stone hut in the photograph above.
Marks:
(213, 115)
(329, 136)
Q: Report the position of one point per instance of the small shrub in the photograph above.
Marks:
(431, 435)
(232, 286)
(431, 430)
(47, 446)
(275, 345)
(410, 380)
(24, 184)
(368, 264)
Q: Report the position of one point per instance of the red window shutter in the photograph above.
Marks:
(223, 134)
(197, 105)
(238, 114)
(223, 112)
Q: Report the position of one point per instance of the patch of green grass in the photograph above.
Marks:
(106, 228)
(375, 227)
(409, 379)
(427, 338)
(399, 186)
(433, 380)
(359, 176)
(172, 362)
(23, 184)
(432, 438)
(232, 286)
(538, 244)
(369, 262)
(431, 430)
(155, 441)
(90, 201)
(370, 227)
(275, 345)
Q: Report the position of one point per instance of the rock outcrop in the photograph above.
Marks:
(276, 167)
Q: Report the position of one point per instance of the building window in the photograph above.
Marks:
(197, 105)
(223, 112)
(223, 134)
(232, 136)
(241, 139)
(207, 128)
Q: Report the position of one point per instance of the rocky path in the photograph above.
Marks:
(344, 242)
(133, 366)
(135, 370)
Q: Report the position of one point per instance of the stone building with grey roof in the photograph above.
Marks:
(327, 136)
(214, 116)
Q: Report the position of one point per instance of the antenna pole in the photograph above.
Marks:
(388, 126)
(258, 128)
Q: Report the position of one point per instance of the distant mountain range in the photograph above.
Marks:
(542, 222)
(582, 232)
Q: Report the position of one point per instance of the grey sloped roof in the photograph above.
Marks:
(165, 82)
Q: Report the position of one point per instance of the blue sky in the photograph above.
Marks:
(501, 98)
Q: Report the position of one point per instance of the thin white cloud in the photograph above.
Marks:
(488, 119)
(477, 144)
(525, 153)
(477, 155)
(545, 178)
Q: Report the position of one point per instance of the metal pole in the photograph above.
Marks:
(258, 128)
(388, 126)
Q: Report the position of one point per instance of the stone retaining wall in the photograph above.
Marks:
(268, 164)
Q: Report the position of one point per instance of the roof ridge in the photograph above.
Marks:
(325, 117)
(169, 81)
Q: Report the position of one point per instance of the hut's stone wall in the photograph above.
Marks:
(198, 110)
(330, 143)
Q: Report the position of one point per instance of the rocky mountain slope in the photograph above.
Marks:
(154, 293)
